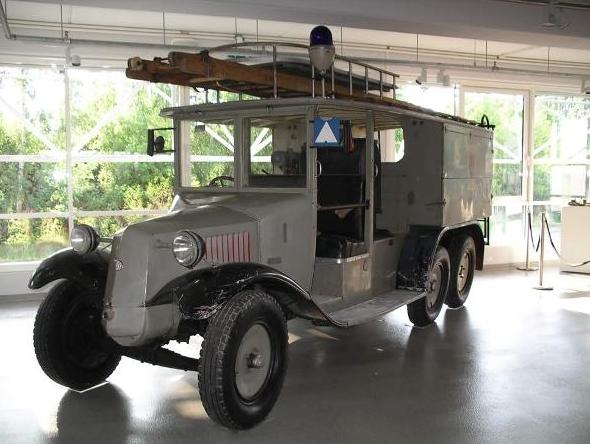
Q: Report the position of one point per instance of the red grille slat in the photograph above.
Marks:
(235, 248)
(230, 248)
(247, 255)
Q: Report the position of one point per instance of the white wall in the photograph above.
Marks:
(15, 277)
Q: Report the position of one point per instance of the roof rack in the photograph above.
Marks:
(257, 69)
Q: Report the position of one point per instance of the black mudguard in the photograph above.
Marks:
(200, 293)
(416, 257)
(420, 247)
(88, 270)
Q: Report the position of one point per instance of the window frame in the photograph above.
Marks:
(524, 200)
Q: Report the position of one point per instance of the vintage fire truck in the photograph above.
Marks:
(307, 217)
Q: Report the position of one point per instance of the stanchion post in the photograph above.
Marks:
(542, 257)
(527, 266)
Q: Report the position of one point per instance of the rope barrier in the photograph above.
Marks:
(581, 264)
(529, 240)
(542, 257)
(531, 235)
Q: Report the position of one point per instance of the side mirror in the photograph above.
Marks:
(155, 145)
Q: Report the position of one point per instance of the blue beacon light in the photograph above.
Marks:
(320, 35)
(321, 49)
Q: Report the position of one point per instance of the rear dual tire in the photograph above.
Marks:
(462, 252)
(449, 281)
(425, 310)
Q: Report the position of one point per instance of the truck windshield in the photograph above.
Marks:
(212, 153)
(276, 152)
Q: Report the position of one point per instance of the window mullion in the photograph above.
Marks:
(68, 142)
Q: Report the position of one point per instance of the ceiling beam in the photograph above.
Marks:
(4, 21)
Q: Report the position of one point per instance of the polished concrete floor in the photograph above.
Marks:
(511, 367)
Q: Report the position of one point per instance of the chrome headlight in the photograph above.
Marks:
(188, 248)
(84, 239)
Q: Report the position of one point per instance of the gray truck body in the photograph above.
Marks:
(442, 184)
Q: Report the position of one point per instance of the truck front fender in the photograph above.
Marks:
(200, 293)
(88, 270)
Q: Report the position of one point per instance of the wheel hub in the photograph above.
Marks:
(255, 360)
(252, 366)
(463, 271)
(433, 286)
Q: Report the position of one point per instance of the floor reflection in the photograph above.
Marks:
(92, 416)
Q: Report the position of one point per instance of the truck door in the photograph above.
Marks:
(342, 201)
(344, 215)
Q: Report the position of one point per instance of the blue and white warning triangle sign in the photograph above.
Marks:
(326, 132)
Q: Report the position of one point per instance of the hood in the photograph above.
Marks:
(142, 260)
(266, 228)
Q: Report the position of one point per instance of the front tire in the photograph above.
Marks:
(462, 252)
(70, 343)
(243, 360)
(425, 310)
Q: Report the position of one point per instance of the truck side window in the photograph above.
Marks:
(277, 152)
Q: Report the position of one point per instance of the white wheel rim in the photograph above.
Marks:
(463, 271)
(253, 361)
(434, 284)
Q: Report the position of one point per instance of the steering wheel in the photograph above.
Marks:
(221, 181)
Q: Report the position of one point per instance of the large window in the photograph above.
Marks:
(33, 191)
(561, 155)
(437, 98)
(109, 118)
(506, 111)
(80, 161)
(72, 149)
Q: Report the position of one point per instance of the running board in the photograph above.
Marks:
(373, 308)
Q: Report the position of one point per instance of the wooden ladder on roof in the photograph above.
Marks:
(276, 79)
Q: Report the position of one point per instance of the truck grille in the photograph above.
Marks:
(231, 247)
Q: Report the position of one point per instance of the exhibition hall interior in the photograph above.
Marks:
(295, 221)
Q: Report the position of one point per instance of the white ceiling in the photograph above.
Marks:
(499, 20)
(122, 21)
